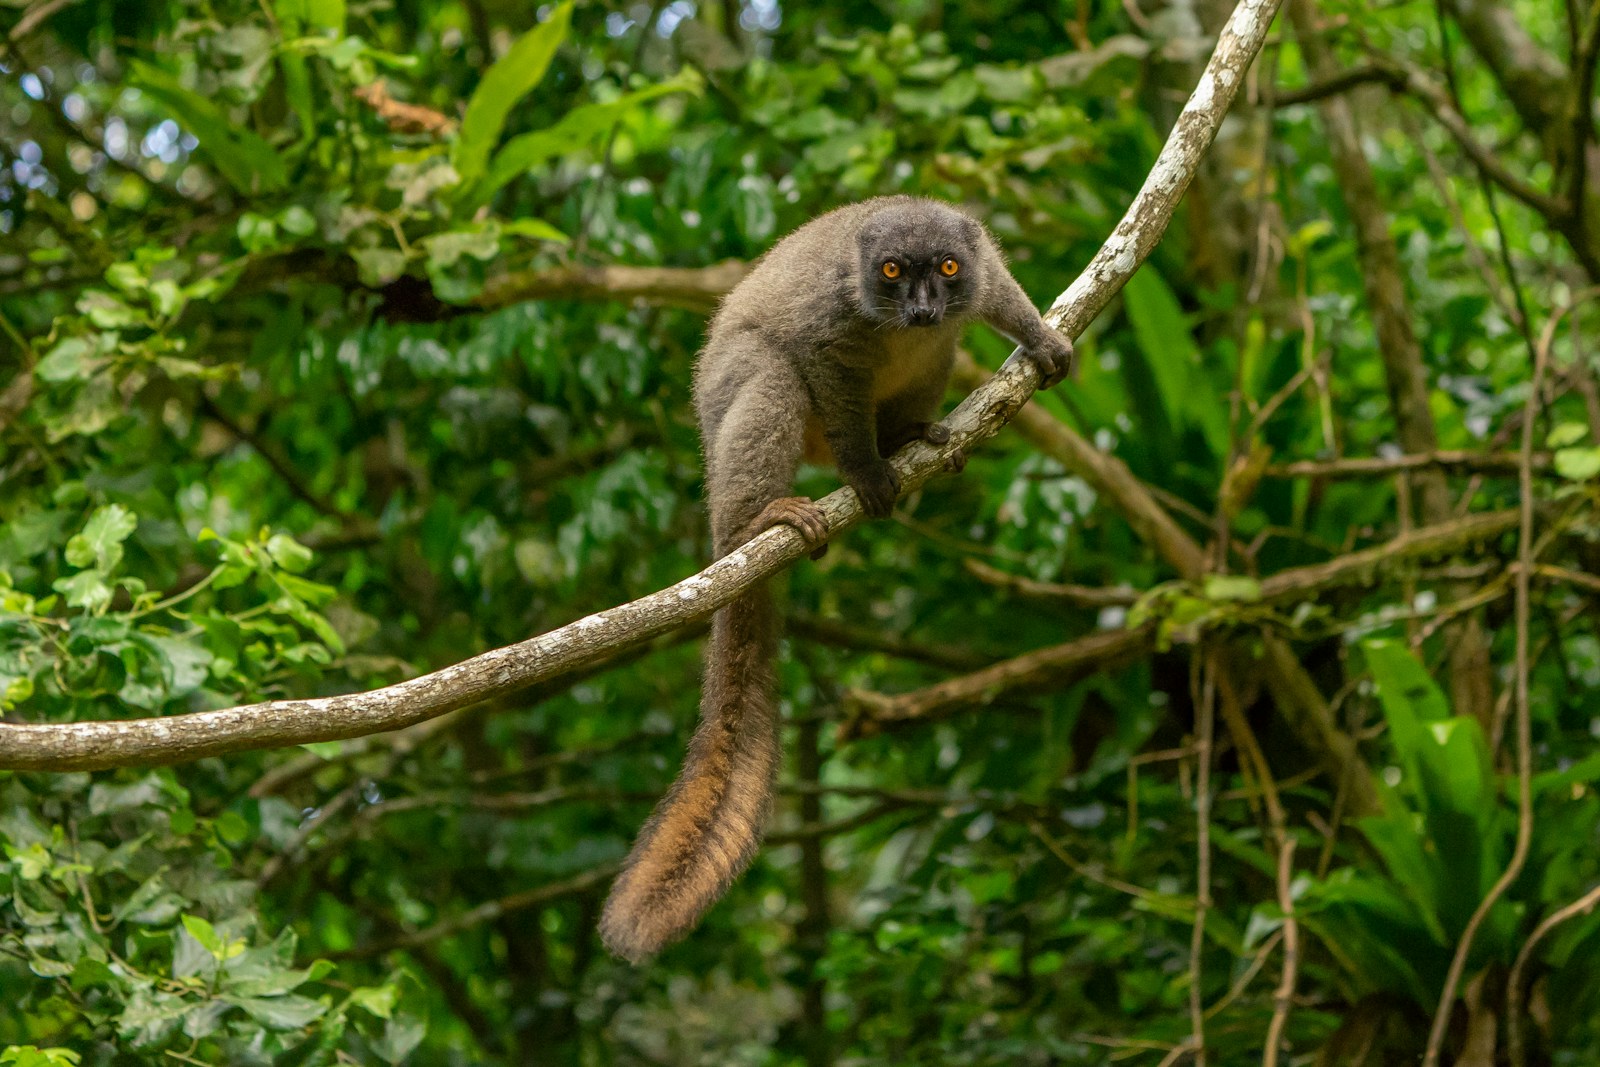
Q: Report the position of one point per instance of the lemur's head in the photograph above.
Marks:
(919, 262)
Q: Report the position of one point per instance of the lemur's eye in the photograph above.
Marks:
(891, 269)
(949, 268)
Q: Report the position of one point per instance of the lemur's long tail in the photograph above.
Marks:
(707, 828)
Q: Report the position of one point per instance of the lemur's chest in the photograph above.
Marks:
(906, 360)
(912, 356)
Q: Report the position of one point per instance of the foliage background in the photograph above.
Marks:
(298, 396)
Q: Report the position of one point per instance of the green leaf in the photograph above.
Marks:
(242, 157)
(1174, 360)
(152, 904)
(166, 298)
(32, 862)
(401, 1035)
(71, 359)
(1373, 931)
(1566, 434)
(378, 266)
(580, 128)
(379, 1000)
(536, 229)
(109, 313)
(298, 221)
(518, 71)
(1577, 464)
(1234, 588)
(1402, 680)
(32, 1056)
(206, 934)
(88, 590)
(479, 242)
(106, 797)
(100, 543)
(288, 553)
(1409, 698)
(280, 1013)
(257, 233)
(321, 15)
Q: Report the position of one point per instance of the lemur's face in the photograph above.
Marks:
(916, 268)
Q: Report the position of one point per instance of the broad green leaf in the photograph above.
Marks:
(298, 221)
(1374, 933)
(33, 1056)
(280, 1013)
(152, 904)
(243, 158)
(401, 1034)
(1459, 770)
(1566, 434)
(88, 590)
(1396, 836)
(288, 553)
(505, 83)
(73, 358)
(379, 1000)
(203, 932)
(1578, 464)
(257, 233)
(580, 128)
(1409, 698)
(100, 543)
(108, 312)
(378, 266)
(1174, 359)
(32, 862)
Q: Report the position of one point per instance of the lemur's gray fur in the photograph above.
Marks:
(837, 346)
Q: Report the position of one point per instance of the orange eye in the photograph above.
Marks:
(891, 269)
(949, 268)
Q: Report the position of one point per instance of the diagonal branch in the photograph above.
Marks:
(97, 745)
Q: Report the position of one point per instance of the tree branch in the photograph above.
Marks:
(1335, 84)
(1532, 78)
(1505, 463)
(692, 288)
(1073, 661)
(485, 912)
(1081, 595)
(98, 745)
(1415, 82)
(1055, 667)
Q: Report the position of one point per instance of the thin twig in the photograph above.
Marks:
(1206, 670)
(485, 912)
(1515, 1039)
(1283, 998)
(1507, 463)
(1524, 574)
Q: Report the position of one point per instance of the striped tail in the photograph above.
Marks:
(705, 831)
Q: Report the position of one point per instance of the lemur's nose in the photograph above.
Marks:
(924, 316)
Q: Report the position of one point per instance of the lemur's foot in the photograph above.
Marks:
(800, 512)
